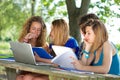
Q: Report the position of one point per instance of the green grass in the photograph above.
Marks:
(5, 50)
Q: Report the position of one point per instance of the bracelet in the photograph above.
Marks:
(86, 54)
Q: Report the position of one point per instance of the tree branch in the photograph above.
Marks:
(71, 6)
(84, 7)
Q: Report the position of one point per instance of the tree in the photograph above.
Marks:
(13, 14)
(74, 13)
(104, 11)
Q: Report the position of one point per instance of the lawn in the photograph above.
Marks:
(4, 53)
(5, 50)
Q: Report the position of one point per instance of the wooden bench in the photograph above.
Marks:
(12, 66)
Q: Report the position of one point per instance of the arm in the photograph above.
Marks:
(87, 46)
(42, 59)
(107, 59)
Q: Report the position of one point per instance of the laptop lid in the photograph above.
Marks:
(22, 52)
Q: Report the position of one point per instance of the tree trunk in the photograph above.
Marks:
(32, 8)
(74, 13)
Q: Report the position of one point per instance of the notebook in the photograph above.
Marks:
(23, 53)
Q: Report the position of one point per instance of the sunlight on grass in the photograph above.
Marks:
(5, 50)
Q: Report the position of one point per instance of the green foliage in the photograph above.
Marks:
(117, 2)
(12, 18)
(13, 13)
(5, 50)
(118, 46)
(52, 8)
(104, 10)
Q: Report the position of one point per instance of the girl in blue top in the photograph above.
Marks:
(98, 54)
(59, 35)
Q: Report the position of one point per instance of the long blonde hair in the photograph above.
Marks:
(100, 32)
(26, 27)
(61, 31)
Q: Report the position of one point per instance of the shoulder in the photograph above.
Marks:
(109, 47)
(72, 39)
(71, 42)
(107, 43)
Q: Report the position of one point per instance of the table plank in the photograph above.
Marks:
(12, 66)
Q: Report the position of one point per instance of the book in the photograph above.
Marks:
(63, 57)
(42, 52)
(6, 57)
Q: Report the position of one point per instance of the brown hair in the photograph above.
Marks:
(100, 32)
(86, 17)
(61, 31)
(26, 27)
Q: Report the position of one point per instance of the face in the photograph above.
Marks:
(35, 28)
(52, 34)
(89, 36)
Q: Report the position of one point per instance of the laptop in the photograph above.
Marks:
(23, 53)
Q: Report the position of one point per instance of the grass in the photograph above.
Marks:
(5, 50)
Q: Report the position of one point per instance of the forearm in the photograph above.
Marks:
(96, 69)
(44, 60)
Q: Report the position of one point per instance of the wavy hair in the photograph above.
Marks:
(26, 27)
(100, 31)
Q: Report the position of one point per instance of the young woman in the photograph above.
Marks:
(33, 32)
(59, 35)
(98, 54)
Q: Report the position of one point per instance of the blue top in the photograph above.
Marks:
(71, 43)
(115, 66)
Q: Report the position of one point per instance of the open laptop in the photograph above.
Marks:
(23, 53)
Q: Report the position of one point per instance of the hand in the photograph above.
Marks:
(77, 64)
(88, 45)
(36, 56)
(29, 36)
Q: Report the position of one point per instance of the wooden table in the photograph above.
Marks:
(12, 66)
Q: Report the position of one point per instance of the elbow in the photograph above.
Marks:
(105, 70)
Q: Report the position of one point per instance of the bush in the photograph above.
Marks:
(118, 46)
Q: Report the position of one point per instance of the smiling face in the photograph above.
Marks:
(89, 35)
(35, 28)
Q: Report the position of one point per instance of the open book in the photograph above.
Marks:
(63, 56)
(42, 52)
